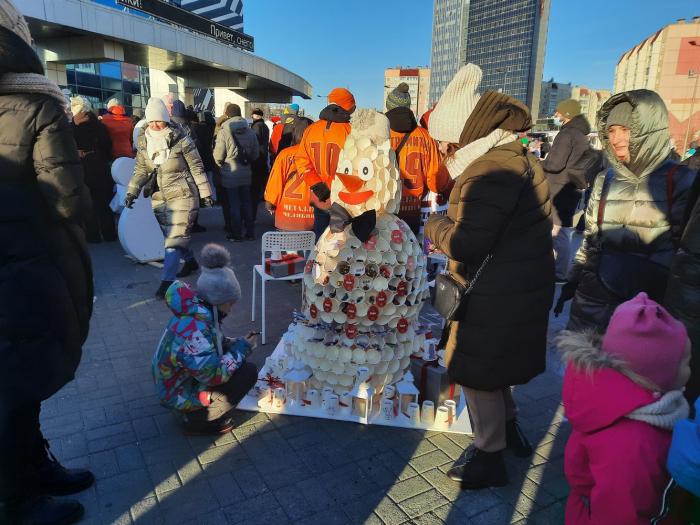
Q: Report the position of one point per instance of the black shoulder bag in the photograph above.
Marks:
(451, 293)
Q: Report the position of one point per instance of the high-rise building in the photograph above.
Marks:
(551, 94)
(506, 38)
(668, 62)
(591, 101)
(418, 80)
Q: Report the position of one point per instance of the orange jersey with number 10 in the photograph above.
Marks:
(320, 148)
(419, 165)
(287, 191)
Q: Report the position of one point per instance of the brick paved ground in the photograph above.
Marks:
(269, 469)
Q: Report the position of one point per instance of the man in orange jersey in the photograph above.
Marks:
(317, 158)
(416, 154)
(286, 194)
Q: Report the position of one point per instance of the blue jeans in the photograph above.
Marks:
(241, 210)
(321, 221)
(171, 263)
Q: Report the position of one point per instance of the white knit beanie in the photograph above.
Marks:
(80, 104)
(156, 111)
(455, 105)
(112, 102)
(12, 19)
(217, 282)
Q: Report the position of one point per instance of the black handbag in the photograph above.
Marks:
(451, 292)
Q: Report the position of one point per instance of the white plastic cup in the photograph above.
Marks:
(442, 418)
(280, 397)
(312, 398)
(452, 409)
(389, 392)
(327, 391)
(345, 403)
(414, 413)
(330, 404)
(428, 413)
(387, 409)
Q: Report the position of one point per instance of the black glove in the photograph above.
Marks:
(567, 293)
(206, 202)
(321, 191)
(129, 200)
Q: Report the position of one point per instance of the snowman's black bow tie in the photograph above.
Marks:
(362, 225)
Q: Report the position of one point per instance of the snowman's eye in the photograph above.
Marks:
(365, 169)
(345, 167)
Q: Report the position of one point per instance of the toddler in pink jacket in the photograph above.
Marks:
(622, 398)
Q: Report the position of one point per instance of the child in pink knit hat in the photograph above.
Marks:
(622, 398)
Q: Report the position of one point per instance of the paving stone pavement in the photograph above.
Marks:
(269, 469)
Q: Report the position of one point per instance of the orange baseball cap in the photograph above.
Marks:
(343, 98)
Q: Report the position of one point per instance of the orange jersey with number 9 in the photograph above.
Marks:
(289, 194)
(419, 165)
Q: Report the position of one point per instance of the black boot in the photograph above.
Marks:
(516, 440)
(44, 510)
(164, 285)
(56, 480)
(188, 268)
(476, 469)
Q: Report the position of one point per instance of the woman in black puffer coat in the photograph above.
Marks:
(95, 150)
(45, 277)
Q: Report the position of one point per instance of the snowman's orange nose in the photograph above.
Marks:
(351, 182)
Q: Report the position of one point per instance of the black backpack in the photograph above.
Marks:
(587, 167)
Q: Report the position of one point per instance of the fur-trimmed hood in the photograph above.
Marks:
(598, 388)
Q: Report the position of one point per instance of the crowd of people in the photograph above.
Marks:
(631, 347)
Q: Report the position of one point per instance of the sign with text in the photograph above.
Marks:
(187, 19)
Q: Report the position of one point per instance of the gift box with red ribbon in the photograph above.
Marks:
(433, 382)
(289, 264)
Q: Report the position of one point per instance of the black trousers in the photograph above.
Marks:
(223, 201)
(224, 398)
(21, 450)
(321, 221)
(100, 221)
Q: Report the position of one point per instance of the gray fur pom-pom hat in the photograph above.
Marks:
(217, 282)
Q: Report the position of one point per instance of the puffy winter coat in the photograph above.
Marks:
(683, 294)
(181, 183)
(636, 218)
(45, 270)
(121, 129)
(263, 134)
(564, 180)
(501, 336)
(235, 164)
(615, 466)
(188, 360)
(95, 150)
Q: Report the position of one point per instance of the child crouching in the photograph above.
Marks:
(198, 372)
(622, 399)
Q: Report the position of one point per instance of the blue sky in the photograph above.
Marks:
(349, 43)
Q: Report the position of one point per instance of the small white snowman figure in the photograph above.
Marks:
(365, 281)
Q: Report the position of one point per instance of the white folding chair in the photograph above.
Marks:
(279, 241)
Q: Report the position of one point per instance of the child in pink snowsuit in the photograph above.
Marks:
(622, 399)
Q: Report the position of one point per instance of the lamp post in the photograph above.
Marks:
(691, 73)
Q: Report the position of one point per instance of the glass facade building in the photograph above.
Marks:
(506, 38)
(100, 82)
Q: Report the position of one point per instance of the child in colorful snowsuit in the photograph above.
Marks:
(622, 400)
(198, 372)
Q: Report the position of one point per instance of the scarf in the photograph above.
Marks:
(157, 145)
(664, 413)
(466, 155)
(334, 113)
(14, 83)
(401, 120)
